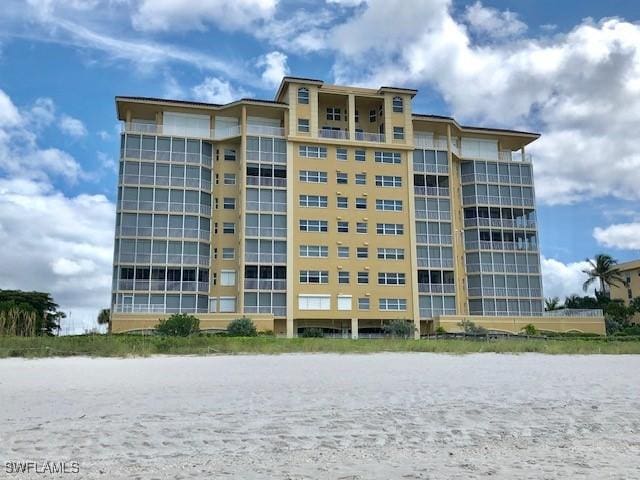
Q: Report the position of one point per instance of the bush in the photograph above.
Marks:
(471, 328)
(242, 327)
(179, 325)
(440, 330)
(398, 328)
(530, 329)
(312, 333)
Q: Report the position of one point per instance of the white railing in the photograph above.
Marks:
(429, 142)
(120, 308)
(264, 284)
(493, 200)
(510, 156)
(505, 292)
(328, 133)
(434, 239)
(277, 311)
(227, 132)
(502, 268)
(267, 181)
(155, 129)
(430, 168)
(265, 130)
(370, 137)
(494, 178)
(570, 312)
(279, 232)
(435, 262)
(434, 312)
(498, 223)
(266, 206)
(436, 288)
(432, 191)
(433, 215)
(265, 257)
(488, 245)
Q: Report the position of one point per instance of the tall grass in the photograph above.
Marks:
(133, 345)
(18, 322)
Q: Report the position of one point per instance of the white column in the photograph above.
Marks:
(354, 328)
(352, 117)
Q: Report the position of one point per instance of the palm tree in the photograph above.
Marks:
(103, 316)
(552, 304)
(603, 271)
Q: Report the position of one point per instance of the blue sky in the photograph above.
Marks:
(570, 70)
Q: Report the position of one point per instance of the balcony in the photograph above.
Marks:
(435, 262)
(370, 137)
(276, 232)
(254, 257)
(434, 239)
(163, 259)
(501, 268)
(276, 310)
(433, 215)
(265, 130)
(120, 308)
(266, 206)
(499, 223)
(155, 129)
(174, 207)
(436, 288)
(569, 312)
(264, 284)
(431, 191)
(510, 246)
(509, 156)
(494, 200)
(267, 181)
(335, 134)
(505, 292)
(435, 312)
(429, 142)
(495, 178)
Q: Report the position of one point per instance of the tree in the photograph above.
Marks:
(604, 272)
(103, 316)
(530, 329)
(398, 328)
(552, 304)
(242, 327)
(47, 316)
(179, 325)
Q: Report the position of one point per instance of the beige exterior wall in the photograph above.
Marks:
(134, 322)
(630, 272)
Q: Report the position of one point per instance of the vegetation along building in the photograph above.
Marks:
(332, 207)
(630, 288)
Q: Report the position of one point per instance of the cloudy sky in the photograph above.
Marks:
(570, 70)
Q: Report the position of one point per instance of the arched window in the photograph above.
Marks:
(303, 95)
(397, 104)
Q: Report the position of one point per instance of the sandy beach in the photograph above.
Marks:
(379, 416)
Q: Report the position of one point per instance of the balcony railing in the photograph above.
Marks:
(569, 312)
(277, 311)
(164, 232)
(163, 259)
(433, 215)
(267, 181)
(434, 312)
(502, 268)
(436, 288)
(505, 292)
(430, 168)
(435, 262)
(429, 142)
(265, 130)
(155, 129)
(264, 284)
(434, 239)
(498, 223)
(338, 134)
(494, 200)
(370, 137)
(120, 308)
(173, 207)
(278, 232)
(495, 178)
(432, 191)
(509, 156)
(265, 257)
(266, 206)
(488, 245)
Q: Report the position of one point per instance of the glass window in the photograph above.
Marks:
(343, 227)
(333, 113)
(398, 133)
(361, 156)
(361, 227)
(343, 277)
(362, 252)
(343, 252)
(344, 302)
(227, 278)
(303, 95)
(342, 178)
(229, 203)
(229, 178)
(361, 178)
(303, 125)
(229, 227)
(361, 203)
(230, 155)
(397, 105)
(341, 153)
(363, 278)
(363, 303)
(228, 253)
(342, 202)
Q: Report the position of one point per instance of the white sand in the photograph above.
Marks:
(386, 416)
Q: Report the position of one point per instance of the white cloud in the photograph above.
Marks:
(176, 15)
(72, 126)
(563, 279)
(581, 88)
(57, 244)
(625, 236)
(214, 90)
(104, 135)
(493, 23)
(275, 67)
(9, 115)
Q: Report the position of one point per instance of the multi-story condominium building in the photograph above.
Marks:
(329, 207)
(630, 273)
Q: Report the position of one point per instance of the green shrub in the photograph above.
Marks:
(242, 327)
(471, 328)
(398, 328)
(179, 325)
(530, 329)
(312, 333)
(440, 330)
